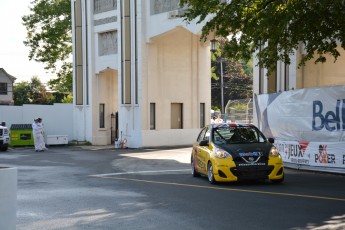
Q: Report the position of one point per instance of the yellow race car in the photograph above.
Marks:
(235, 152)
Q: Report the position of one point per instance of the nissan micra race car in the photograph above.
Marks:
(235, 152)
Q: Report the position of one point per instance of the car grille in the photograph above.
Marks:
(252, 173)
(251, 168)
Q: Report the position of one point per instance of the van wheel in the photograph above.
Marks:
(3, 148)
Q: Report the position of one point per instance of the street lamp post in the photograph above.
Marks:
(213, 49)
(221, 86)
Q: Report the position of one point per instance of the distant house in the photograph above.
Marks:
(6, 88)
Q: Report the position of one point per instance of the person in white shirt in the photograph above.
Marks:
(38, 130)
(219, 119)
(213, 118)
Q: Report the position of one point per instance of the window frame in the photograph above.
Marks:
(101, 115)
(3, 88)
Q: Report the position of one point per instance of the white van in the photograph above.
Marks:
(4, 138)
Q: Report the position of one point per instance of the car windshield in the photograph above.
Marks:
(239, 134)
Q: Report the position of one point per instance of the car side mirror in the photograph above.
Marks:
(271, 140)
(203, 143)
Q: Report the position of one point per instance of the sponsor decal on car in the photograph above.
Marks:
(250, 154)
(251, 164)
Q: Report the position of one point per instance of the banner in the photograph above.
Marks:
(324, 154)
(307, 124)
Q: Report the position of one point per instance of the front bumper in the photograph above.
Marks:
(5, 141)
(225, 170)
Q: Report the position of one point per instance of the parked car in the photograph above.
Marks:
(4, 138)
(235, 152)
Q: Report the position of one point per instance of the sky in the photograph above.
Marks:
(13, 53)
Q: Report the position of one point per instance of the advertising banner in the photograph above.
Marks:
(324, 154)
(307, 124)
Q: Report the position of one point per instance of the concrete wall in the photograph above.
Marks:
(57, 118)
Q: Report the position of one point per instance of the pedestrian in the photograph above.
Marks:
(213, 118)
(219, 119)
(38, 130)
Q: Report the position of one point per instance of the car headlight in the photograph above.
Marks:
(274, 152)
(221, 153)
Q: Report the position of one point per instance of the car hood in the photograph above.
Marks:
(237, 150)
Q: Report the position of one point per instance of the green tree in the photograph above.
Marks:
(280, 25)
(49, 37)
(67, 99)
(33, 92)
(39, 94)
(237, 84)
(21, 93)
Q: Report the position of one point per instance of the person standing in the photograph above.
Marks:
(213, 118)
(219, 119)
(38, 130)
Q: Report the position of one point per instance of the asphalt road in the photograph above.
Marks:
(77, 188)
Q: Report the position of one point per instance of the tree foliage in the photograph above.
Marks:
(237, 84)
(33, 92)
(275, 27)
(49, 37)
(21, 93)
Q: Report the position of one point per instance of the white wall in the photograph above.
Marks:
(169, 137)
(57, 118)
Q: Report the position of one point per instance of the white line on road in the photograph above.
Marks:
(140, 172)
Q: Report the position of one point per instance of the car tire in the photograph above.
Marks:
(3, 148)
(194, 172)
(210, 174)
(278, 181)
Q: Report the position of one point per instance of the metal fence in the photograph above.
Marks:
(240, 111)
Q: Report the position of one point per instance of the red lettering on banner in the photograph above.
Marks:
(323, 157)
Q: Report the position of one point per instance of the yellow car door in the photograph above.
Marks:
(203, 152)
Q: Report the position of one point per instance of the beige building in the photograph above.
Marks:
(290, 77)
(140, 73)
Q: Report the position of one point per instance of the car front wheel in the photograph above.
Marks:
(210, 174)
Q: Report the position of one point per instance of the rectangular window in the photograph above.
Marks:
(261, 76)
(286, 77)
(202, 115)
(78, 59)
(87, 55)
(136, 53)
(126, 52)
(272, 81)
(3, 88)
(102, 115)
(100, 6)
(152, 115)
(176, 116)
